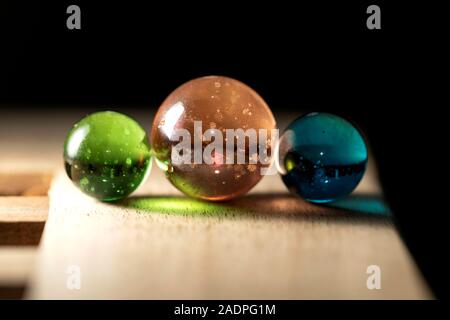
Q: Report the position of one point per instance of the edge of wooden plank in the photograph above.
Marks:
(24, 209)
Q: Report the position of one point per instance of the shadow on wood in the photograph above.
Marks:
(354, 209)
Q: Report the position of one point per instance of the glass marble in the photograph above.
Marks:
(107, 155)
(219, 103)
(322, 157)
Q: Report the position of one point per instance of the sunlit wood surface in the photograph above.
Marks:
(158, 244)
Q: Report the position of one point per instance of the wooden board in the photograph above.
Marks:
(16, 209)
(22, 221)
(160, 244)
(268, 245)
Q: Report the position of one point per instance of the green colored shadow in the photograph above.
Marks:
(180, 206)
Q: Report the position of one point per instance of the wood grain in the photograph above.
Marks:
(159, 244)
(22, 220)
(267, 245)
(24, 183)
(24, 209)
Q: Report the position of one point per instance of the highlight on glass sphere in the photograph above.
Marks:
(107, 155)
(322, 157)
(212, 137)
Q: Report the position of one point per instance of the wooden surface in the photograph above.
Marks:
(159, 244)
(268, 245)
(23, 209)
(22, 220)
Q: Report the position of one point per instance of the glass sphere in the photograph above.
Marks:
(217, 104)
(322, 157)
(107, 155)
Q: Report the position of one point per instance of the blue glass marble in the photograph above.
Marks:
(322, 157)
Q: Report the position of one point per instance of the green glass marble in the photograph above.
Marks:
(107, 155)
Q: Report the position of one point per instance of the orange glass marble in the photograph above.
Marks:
(216, 103)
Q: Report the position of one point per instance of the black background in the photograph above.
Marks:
(165, 309)
(295, 55)
(298, 55)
